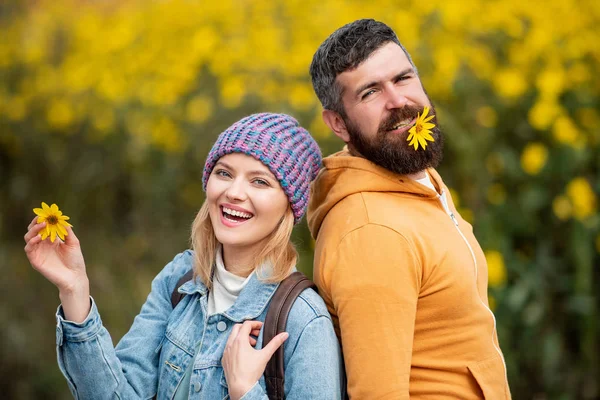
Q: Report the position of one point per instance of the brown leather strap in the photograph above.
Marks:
(176, 296)
(279, 308)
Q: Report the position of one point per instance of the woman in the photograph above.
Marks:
(256, 179)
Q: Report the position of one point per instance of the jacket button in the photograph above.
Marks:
(221, 326)
(197, 387)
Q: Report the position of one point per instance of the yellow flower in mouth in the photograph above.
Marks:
(56, 222)
(420, 133)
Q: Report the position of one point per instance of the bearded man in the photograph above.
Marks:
(403, 275)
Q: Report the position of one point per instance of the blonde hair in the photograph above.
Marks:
(275, 260)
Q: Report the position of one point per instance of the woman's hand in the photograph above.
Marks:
(62, 264)
(244, 365)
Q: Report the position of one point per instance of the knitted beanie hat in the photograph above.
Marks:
(279, 142)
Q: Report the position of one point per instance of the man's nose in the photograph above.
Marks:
(395, 98)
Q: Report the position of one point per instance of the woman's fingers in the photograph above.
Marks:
(232, 335)
(274, 344)
(71, 239)
(31, 243)
(32, 223)
(34, 231)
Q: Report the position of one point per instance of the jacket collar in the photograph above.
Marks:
(251, 302)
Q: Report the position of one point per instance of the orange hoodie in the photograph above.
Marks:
(406, 284)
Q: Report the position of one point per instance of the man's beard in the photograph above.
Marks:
(391, 151)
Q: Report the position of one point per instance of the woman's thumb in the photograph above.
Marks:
(274, 344)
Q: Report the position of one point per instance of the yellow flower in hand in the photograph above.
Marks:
(420, 132)
(55, 221)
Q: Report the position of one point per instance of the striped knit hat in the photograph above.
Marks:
(279, 142)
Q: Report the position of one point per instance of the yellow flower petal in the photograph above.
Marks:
(44, 234)
(52, 235)
(62, 232)
(427, 135)
(64, 217)
(428, 119)
(39, 211)
(45, 207)
(41, 219)
(54, 207)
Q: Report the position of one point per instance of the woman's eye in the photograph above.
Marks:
(223, 173)
(261, 182)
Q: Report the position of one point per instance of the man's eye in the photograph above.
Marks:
(367, 94)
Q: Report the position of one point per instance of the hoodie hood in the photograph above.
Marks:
(343, 175)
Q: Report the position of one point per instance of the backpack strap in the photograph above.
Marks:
(176, 296)
(279, 308)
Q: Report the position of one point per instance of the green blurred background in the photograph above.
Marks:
(109, 109)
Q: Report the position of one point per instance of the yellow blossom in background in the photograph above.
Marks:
(56, 222)
(60, 114)
(582, 197)
(486, 116)
(534, 158)
(551, 82)
(420, 133)
(199, 109)
(565, 132)
(510, 83)
(543, 113)
(562, 208)
(492, 302)
(496, 268)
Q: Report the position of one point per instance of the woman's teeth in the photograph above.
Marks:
(235, 213)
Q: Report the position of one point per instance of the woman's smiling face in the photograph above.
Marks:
(246, 201)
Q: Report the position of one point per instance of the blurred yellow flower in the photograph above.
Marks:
(510, 83)
(565, 132)
(551, 82)
(55, 221)
(534, 158)
(582, 197)
(60, 114)
(486, 116)
(496, 268)
(562, 208)
(420, 132)
(543, 113)
(199, 109)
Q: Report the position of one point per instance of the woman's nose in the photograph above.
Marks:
(236, 191)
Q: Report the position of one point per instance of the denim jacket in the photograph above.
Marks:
(151, 359)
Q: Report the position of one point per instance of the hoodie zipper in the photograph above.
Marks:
(441, 198)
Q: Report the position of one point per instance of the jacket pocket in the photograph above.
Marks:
(224, 387)
(491, 377)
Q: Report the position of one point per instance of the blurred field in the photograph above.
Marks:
(109, 108)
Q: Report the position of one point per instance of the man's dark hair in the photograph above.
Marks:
(343, 50)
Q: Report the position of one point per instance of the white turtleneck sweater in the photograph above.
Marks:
(226, 286)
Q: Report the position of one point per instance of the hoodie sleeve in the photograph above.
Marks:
(374, 281)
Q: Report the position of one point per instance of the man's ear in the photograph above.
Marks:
(336, 123)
